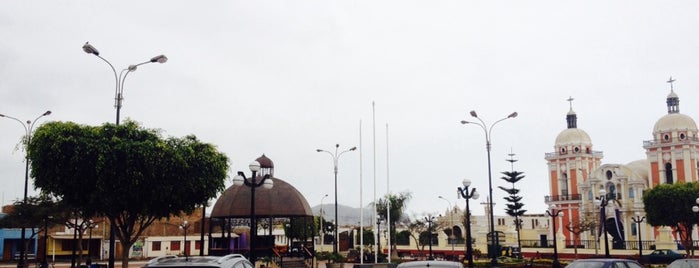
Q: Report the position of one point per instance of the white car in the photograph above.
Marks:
(431, 264)
(684, 263)
(228, 261)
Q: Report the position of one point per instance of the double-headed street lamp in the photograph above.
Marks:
(28, 126)
(184, 226)
(554, 212)
(488, 130)
(121, 78)
(118, 97)
(336, 157)
(253, 182)
(602, 202)
(430, 220)
(451, 225)
(637, 219)
(466, 194)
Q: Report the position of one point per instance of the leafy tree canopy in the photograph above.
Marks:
(125, 172)
(671, 205)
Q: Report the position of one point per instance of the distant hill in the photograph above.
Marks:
(346, 215)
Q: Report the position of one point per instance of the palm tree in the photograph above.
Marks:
(398, 204)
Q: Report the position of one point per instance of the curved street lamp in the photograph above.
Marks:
(252, 182)
(336, 157)
(118, 97)
(554, 212)
(488, 130)
(28, 126)
(121, 78)
(451, 224)
(465, 194)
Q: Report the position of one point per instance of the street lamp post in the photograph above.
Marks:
(554, 212)
(118, 97)
(121, 78)
(451, 225)
(184, 226)
(488, 130)
(430, 220)
(637, 219)
(322, 232)
(378, 238)
(90, 225)
(28, 126)
(465, 194)
(602, 203)
(336, 157)
(45, 262)
(253, 183)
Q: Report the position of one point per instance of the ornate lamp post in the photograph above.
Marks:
(253, 182)
(488, 130)
(554, 212)
(28, 126)
(637, 219)
(465, 194)
(184, 226)
(336, 157)
(451, 224)
(602, 203)
(118, 97)
(430, 220)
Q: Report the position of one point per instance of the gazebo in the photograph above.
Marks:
(282, 206)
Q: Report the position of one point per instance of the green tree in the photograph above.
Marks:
(129, 174)
(398, 203)
(514, 204)
(671, 205)
(37, 213)
(416, 228)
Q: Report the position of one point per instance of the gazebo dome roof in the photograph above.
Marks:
(283, 200)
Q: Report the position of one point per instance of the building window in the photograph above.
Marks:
(632, 195)
(197, 245)
(175, 245)
(668, 173)
(634, 232)
(156, 245)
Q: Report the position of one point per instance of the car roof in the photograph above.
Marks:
(603, 259)
(431, 263)
(194, 261)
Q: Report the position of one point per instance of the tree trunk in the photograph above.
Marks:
(125, 246)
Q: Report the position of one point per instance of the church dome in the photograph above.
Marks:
(573, 136)
(674, 121)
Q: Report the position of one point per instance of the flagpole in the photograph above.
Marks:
(361, 204)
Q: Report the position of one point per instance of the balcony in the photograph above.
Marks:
(568, 197)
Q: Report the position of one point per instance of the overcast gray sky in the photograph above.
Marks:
(285, 78)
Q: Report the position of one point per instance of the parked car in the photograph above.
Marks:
(604, 263)
(228, 261)
(684, 263)
(663, 256)
(431, 264)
